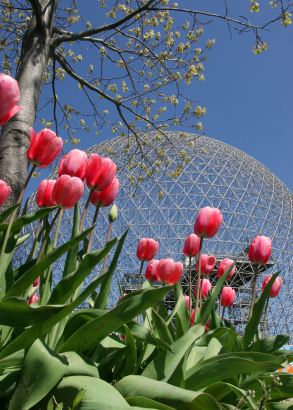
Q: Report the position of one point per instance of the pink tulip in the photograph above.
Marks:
(191, 246)
(106, 197)
(205, 288)
(187, 302)
(67, 191)
(100, 173)
(192, 319)
(37, 282)
(124, 294)
(224, 265)
(33, 299)
(9, 97)
(74, 164)
(44, 147)
(44, 194)
(208, 222)
(151, 272)
(169, 271)
(4, 191)
(260, 250)
(275, 287)
(207, 264)
(147, 249)
(228, 296)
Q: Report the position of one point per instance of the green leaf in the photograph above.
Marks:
(46, 277)
(161, 327)
(130, 358)
(182, 315)
(22, 239)
(213, 349)
(269, 344)
(79, 365)
(196, 355)
(205, 339)
(33, 273)
(67, 286)
(16, 359)
(80, 395)
(251, 327)
(103, 297)
(7, 212)
(180, 399)
(127, 308)
(108, 363)
(147, 403)
(79, 319)
(71, 257)
(15, 312)
(7, 280)
(280, 406)
(164, 365)
(207, 307)
(6, 275)
(42, 369)
(8, 383)
(227, 365)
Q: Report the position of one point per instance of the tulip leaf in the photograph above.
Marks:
(6, 274)
(79, 365)
(107, 364)
(42, 369)
(252, 325)
(161, 327)
(6, 214)
(131, 355)
(164, 364)
(127, 308)
(14, 360)
(205, 339)
(139, 386)
(147, 403)
(182, 315)
(71, 257)
(270, 344)
(32, 274)
(8, 383)
(68, 285)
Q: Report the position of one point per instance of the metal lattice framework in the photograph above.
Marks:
(253, 202)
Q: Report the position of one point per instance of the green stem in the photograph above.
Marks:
(34, 248)
(84, 211)
(138, 285)
(107, 240)
(198, 280)
(47, 236)
(220, 301)
(264, 319)
(223, 312)
(189, 287)
(92, 232)
(253, 292)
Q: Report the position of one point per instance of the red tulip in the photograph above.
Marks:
(100, 173)
(207, 264)
(106, 197)
(33, 299)
(260, 250)
(275, 287)
(37, 282)
(208, 222)
(4, 191)
(169, 271)
(151, 272)
(9, 97)
(224, 265)
(191, 246)
(205, 288)
(228, 296)
(44, 147)
(192, 319)
(44, 194)
(147, 249)
(74, 164)
(187, 302)
(67, 191)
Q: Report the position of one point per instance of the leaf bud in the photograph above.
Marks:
(113, 214)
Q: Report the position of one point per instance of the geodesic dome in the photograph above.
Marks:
(253, 202)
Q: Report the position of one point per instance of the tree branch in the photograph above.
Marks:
(38, 12)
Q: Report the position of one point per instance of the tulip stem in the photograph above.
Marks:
(47, 236)
(264, 319)
(15, 212)
(138, 285)
(189, 287)
(253, 292)
(107, 240)
(198, 280)
(92, 232)
(84, 211)
(220, 301)
(33, 250)
(223, 312)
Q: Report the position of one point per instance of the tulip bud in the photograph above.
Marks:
(207, 264)
(44, 196)
(44, 147)
(169, 271)
(113, 214)
(9, 97)
(33, 299)
(100, 173)
(74, 164)
(187, 302)
(205, 285)
(228, 296)
(67, 191)
(5, 191)
(208, 222)
(275, 287)
(151, 272)
(147, 249)
(37, 282)
(106, 197)
(192, 319)
(191, 246)
(260, 250)
(224, 265)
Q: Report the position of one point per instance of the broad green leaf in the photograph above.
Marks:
(42, 369)
(164, 365)
(147, 403)
(283, 391)
(103, 297)
(167, 318)
(232, 341)
(7, 280)
(33, 273)
(80, 395)
(67, 286)
(179, 399)
(21, 269)
(162, 328)
(22, 239)
(108, 363)
(182, 315)
(7, 277)
(215, 320)
(79, 365)
(196, 354)
(80, 318)
(227, 365)
(16, 312)
(8, 383)
(16, 359)
(108, 345)
(46, 277)
(205, 339)
(220, 389)
(127, 308)
(71, 257)
(7, 212)
(270, 344)
(280, 406)
(251, 327)
(130, 357)
(213, 349)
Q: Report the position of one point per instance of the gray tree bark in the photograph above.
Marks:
(15, 136)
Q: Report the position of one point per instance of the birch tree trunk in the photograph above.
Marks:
(15, 136)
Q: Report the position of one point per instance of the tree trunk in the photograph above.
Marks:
(15, 136)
